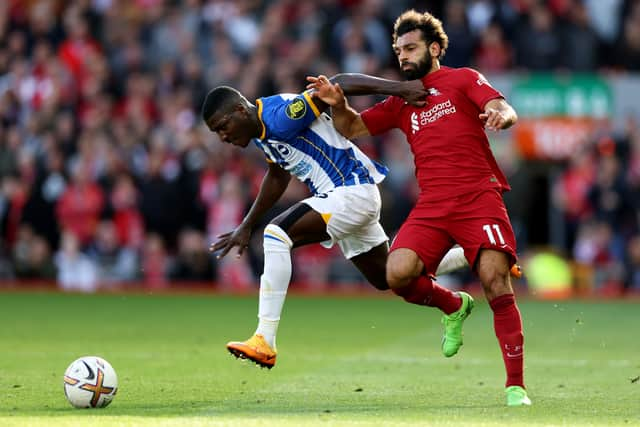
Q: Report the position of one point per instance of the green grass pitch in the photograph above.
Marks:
(343, 361)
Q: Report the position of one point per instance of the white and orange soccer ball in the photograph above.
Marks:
(90, 382)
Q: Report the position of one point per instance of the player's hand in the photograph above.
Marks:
(414, 93)
(238, 237)
(324, 90)
(493, 119)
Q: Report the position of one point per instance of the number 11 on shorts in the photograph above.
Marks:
(496, 228)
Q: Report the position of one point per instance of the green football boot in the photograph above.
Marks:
(517, 396)
(452, 338)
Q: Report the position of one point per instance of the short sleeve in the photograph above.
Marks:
(284, 116)
(478, 89)
(382, 116)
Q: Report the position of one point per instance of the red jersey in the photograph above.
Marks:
(450, 147)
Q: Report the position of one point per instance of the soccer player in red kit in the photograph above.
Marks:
(460, 183)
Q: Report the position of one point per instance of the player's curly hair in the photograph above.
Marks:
(431, 27)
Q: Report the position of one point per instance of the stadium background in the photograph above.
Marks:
(108, 178)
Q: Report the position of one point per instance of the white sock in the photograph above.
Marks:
(274, 281)
(452, 261)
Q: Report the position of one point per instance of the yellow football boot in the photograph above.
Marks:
(255, 349)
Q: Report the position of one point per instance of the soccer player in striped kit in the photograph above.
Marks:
(299, 139)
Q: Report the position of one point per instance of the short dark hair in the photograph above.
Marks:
(222, 98)
(431, 27)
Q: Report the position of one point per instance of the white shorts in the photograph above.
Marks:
(352, 214)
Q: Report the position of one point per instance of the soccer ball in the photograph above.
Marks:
(90, 382)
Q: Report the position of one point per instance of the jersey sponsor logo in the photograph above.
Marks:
(431, 115)
(301, 169)
(414, 123)
(296, 109)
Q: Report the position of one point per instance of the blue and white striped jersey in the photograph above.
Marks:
(303, 141)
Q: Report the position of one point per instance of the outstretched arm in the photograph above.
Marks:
(411, 91)
(274, 183)
(346, 120)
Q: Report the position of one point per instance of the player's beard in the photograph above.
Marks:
(420, 69)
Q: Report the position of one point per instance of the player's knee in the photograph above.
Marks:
(492, 263)
(495, 280)
(275, 239)
(396, 278)
(400, 271)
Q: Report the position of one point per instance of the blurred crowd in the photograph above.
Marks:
(598, 195)
(108, 176)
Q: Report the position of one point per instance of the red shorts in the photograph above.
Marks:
(475, 221)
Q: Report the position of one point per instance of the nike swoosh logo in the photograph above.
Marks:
(513, 354)
(91, 374)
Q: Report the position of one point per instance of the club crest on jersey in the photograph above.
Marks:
(283, 149)
(296, 109)
(433, 91)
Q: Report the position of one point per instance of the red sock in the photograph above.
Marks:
(424, 291)
(508, 326)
